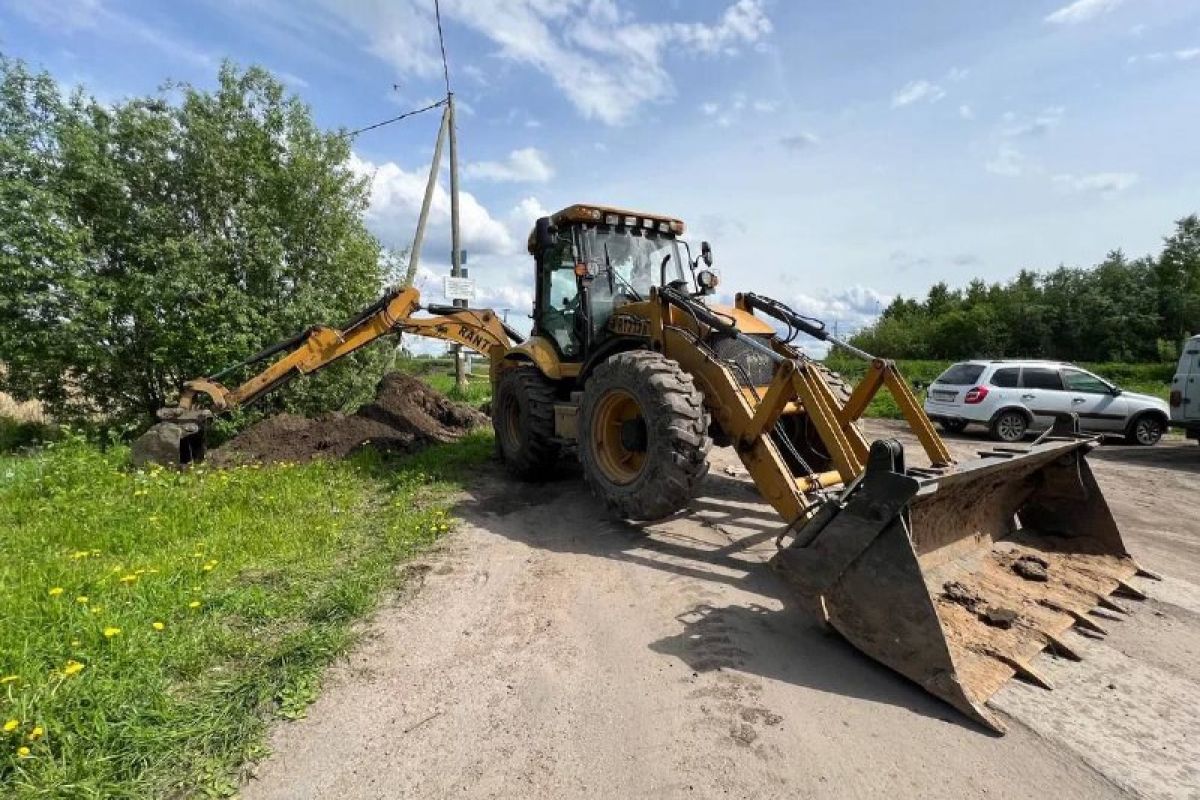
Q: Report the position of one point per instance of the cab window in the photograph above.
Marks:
(560, 297)
(1040, 378)
(1079, 381)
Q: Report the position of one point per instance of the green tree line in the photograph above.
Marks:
(1122, 309)
(160, 238)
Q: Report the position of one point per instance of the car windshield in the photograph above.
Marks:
(960, 375)
(630, 261)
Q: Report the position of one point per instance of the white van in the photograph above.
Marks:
(1185, 390)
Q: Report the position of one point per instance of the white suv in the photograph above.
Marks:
(1014, 397)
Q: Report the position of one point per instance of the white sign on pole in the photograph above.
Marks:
(459, 288)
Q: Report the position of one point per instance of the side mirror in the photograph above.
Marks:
(707, 280)
(706, 253)
(545, 234)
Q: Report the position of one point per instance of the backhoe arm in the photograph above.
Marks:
(321, 345)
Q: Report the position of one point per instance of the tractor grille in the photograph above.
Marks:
(754, 365)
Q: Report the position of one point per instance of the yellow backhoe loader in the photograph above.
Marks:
(955, 575)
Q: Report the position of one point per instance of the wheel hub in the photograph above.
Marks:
(619, 436)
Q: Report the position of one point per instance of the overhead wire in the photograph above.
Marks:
(437, 15)
(389, 121)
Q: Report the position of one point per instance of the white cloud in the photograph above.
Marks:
(957, 74)
(604, 60)
(1008, 162)
(917, 91)
(1186, 54)
(744, 22)
(851, 309)
(396, 196)
(1038, 125)
(766, 106)
(709, 109)
(1082, 11)
(523, 215)
(526, 165)
(966, 112)
(1105, 183)
(799, 141)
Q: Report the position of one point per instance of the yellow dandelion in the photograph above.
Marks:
(197, 555)
(208, 567)
(110, 632)
(36, 733)
(83, 598)
(11, 725)
(158, 626)
(128, 578)
(72, 667)
(75, 643)
(80, 554)
(22, 752)
(56, 591)
(118, 568)
(194, 604)
(9, 679)
(97, 609)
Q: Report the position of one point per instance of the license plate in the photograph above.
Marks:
(944, 396)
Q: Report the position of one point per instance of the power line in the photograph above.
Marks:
(437, 14)
(405, 115)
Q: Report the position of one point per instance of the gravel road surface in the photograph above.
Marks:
(546, 651)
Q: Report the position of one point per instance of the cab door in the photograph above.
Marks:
(1095, 401)
(557, 306)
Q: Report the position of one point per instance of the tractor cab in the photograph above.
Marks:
(591, 261)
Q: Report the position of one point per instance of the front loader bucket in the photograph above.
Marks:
(958, 580)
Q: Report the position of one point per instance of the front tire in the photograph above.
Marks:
(643, 435)
(1009, 426)
(802, 434)
(523, 419)
(1145, 430)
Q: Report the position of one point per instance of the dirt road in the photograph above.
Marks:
(551, 652)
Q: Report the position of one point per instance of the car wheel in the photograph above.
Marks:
(1145, 430)
(1010, 426)
(953, 425)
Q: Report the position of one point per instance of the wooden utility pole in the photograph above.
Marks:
(414, 256)
(460, 377)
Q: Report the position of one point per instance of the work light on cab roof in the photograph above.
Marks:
(613, 217)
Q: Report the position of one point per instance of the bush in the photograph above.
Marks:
(162, 238)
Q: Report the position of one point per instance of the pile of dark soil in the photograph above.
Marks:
(405, 416)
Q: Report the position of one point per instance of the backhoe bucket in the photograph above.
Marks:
(179, 439)
(958, 580)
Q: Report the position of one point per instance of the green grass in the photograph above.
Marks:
(1151, 379)
(256, 576)
(438, 373)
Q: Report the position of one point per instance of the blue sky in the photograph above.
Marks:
(835, 154)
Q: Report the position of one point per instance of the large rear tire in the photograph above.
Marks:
(643, 435)
(523, 419)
